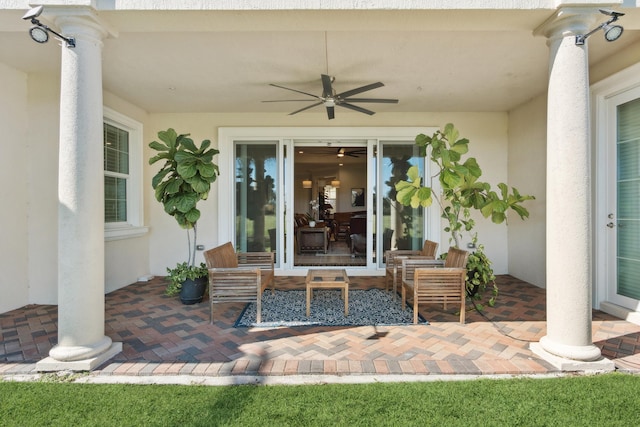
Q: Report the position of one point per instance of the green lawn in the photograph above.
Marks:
(602, 400)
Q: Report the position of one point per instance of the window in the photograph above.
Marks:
(116, 173)
(122, 176)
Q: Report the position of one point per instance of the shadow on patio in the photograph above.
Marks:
(161, 336)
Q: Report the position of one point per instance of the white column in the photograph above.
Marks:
(569, 231)
(81, 200)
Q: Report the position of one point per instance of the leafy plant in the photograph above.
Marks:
(462, 191)
(184, 179)
(183, 271)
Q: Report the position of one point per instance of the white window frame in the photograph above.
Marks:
(133, 227)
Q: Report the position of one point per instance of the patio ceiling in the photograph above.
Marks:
(223, 62)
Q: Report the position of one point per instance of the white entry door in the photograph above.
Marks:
(622, 212)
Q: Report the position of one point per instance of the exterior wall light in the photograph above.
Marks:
(40, 32)
(611, 32)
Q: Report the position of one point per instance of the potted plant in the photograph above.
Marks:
(184, 179)
(461, 192)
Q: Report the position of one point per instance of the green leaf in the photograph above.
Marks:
(498, 217)
(205, 144)
(472, 166)
(192, 216)
(207, 170)
(185, 202)
(159, 177)
(450, 132)
(173, 186)
(405, 195)
(187, 170)
(168, 137)
(413, 173)
(199, 185)
(158, 146)
(188, 143)
(461, 147)
(450, 179)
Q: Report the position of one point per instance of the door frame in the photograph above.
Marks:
(603, 95)
(227, 136)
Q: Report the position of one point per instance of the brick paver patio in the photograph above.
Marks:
(162, 337)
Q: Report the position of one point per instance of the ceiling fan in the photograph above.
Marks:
(340, 152)
(330, 98)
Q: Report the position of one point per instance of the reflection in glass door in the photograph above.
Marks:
(256, 210)
(401, 227)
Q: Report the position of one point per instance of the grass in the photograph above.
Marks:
(601, 400)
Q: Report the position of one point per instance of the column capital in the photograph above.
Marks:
(568, 21)
(80, 21)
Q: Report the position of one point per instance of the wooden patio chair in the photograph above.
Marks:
(239, 277)
(394, 259)
(426, 284)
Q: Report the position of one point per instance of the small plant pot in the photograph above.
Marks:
(192, 291)
(312, 223)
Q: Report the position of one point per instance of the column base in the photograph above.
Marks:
(50, 364)
(571, 365)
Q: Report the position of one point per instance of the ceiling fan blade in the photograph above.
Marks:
(331, 113)
(376, 100)
(359, 90)
(289, 100)
(356, 108)
(327, 89)
(295, 90)
(306, 108)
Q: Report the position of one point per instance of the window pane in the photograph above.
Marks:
(115, 202)
(116, 149)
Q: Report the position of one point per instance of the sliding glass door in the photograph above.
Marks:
(266, 182)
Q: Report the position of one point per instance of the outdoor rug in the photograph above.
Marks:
(366, 307)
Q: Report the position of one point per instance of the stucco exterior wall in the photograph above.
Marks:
(527, 173)
(43, 131)
(13, 191)
(29, 117)
(167, 245)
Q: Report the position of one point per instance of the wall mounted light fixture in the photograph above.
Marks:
(40, 32)
(611, 32)
(307, 183)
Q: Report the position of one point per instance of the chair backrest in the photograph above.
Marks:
(410, 264)
(429, 248)
(223, 256)
(456, 258)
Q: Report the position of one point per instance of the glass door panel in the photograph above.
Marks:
(257, 205)
(401, 227)
(628, 194)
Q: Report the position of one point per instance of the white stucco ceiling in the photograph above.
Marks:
(223, 61)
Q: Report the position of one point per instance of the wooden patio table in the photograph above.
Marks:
(327, 279)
